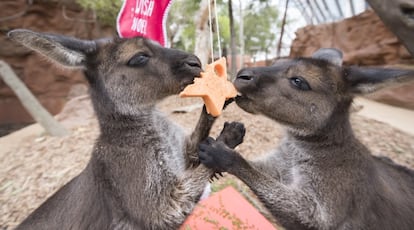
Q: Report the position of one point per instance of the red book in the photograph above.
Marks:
(226, 210)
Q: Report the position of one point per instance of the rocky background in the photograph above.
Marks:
(364, 39)
(33, 164)
(51, 85)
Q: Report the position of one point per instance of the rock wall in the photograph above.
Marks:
(365, 41)
(50, 84)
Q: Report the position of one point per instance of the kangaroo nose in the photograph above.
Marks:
(193, 61)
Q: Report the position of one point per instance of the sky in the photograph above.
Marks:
(300, 19)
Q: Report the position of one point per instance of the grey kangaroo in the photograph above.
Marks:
(144, 172)
(320, 176)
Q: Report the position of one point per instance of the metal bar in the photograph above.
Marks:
(320, 10)
(341, 13)
(318, 20)
(328, 10)
(302, 9)
(351, 4)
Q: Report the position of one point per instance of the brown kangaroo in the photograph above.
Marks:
(320, 176)
(144, 172)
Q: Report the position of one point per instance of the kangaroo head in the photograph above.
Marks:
(126, 76)
(306, 94)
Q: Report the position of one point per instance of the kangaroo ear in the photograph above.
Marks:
(366, 80)
(331, 55)
(67, 51)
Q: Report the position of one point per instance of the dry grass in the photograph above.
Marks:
(37, 165)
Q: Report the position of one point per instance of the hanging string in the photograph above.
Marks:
(217, 29)
(211, 31)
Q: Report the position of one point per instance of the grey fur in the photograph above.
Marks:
(144, 172)
(331, 55)
(320, 176)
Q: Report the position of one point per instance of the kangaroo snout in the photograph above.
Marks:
(193, 61)
(192, 66)
(245, 75)
(244, 79)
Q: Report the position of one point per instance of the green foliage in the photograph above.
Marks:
(182, 19)
(181, 23)
(260, 23)
(106, 10)
(224, 26)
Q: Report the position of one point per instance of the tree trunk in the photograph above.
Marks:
(241, 36)
(282, 30)
(233, 67)
(36, 110)
(202, 40)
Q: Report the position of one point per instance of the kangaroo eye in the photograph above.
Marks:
(138, 60)
(300, 83)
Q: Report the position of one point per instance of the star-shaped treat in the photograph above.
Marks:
(212, 86)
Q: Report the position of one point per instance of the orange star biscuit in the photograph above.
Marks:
(212, 86)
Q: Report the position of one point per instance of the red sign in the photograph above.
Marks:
(145, 18)
(226, 209)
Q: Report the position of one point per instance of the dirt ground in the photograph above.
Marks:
(34, 165)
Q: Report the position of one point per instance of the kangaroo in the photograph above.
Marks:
(144, 171)
(320, 176)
